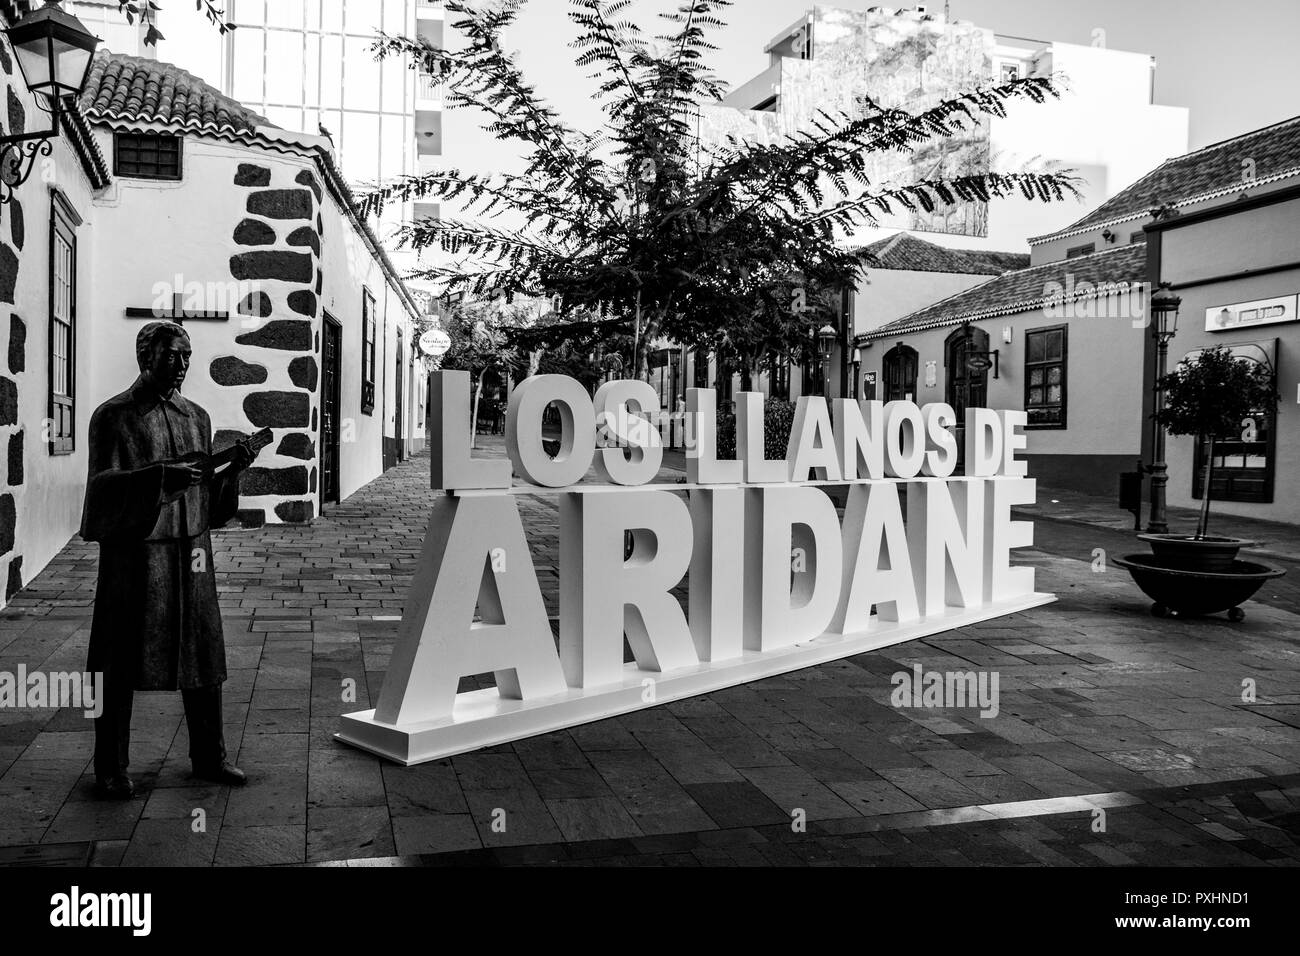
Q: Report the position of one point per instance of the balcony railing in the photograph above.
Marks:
(427, 87)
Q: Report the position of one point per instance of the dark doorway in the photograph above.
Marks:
(399, 392)
(900, 374)
(329, 401)
(965, 387)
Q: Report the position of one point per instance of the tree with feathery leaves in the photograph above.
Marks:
(643, 217)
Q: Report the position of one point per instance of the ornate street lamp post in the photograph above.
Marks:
(826, 336)
(54, 52)
(1164, 310)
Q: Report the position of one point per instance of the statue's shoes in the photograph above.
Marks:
(117, 787)
(224, 773)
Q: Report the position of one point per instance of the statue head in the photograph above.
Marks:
(162, 350)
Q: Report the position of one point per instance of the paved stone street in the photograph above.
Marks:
(1121, 739)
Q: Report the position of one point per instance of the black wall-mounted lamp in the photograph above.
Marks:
(54, 52)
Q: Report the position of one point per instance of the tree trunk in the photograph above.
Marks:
(746, 377)
(473, 421)
(647, 331)
(1203, 524)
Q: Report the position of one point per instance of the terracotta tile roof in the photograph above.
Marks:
(1025, 289)
(136, 89)
(903, 251)
(1274, 150)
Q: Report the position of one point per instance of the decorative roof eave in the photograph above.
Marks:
(96, 115)
(1142, 214)
(1011, 308)
(256, 139)
(1095, 290)
(84, 145)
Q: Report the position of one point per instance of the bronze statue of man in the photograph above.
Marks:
(157, 623)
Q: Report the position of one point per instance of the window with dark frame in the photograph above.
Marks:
(1243, 466)
(147, 156)
(1077, 251)
(1045, 358)
(367, 352)
(63, 326)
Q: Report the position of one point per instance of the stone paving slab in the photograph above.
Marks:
(1098, 702)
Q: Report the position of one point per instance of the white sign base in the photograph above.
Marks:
(484, 718)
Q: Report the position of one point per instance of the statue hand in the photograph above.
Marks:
(178, 477)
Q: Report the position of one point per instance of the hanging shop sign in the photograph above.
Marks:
(1221, 318)
(777, 582)
(434, 342)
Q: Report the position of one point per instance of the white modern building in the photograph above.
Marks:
(1106, 126)
(307, 66)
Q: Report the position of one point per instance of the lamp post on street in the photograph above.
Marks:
(826, 336)
(1164, 309)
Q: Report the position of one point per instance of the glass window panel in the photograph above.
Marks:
(331, 72)
(332, 15)
(313, 14)
(1035, 376)
(397, 81)
(284, 67)
(1054, 394)
(395, 14)
(311, 73)
(249, 66)
(361, 90)
(1055, 343)
(1036, 347)
(249, 12)
(1035, 396)
(1054, 374)
(360, 147)
(391, 160)
(285, 13)
(364, 17)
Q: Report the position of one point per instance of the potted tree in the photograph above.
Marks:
(1211, 397)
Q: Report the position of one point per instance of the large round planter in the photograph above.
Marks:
(1177, 590)
(1196, 554)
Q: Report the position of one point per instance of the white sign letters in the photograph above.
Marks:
(776, 580)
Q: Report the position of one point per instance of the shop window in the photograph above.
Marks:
(1243, 466)
(147, 156)
(1045, 378)
(367, 352)
(63, 326)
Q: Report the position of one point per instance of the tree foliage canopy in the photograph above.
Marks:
(1211, 395)
(685, 235)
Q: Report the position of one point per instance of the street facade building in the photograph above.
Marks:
(1069, 339)
(163, 198)
(1235, 263)
(1062, 340)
